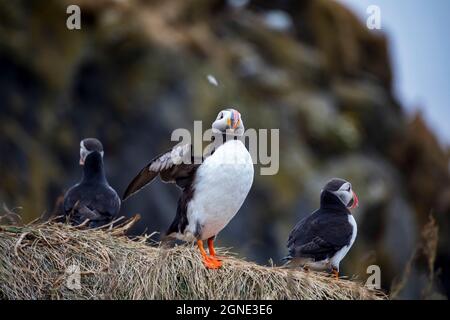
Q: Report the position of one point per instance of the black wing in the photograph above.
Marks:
(175, 166)
(320, 235)
(100, 204)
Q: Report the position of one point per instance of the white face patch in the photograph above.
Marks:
(345, 193)
(224, 121)
(83, 153)
(221, 121)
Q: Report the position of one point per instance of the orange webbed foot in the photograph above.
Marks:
(335, 273)
(216, 261)
(218, 258)
(212, 251)
(211, 263)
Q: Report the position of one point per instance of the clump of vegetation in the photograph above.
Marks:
(43, 261)
(426, 252)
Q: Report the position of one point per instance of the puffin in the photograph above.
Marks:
(321, 240)
(213, 186)
(92, 198)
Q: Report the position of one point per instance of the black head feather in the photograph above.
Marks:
(92, 144)
(334, 184)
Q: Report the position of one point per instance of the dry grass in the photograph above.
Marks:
(34, 260)
(426, 250)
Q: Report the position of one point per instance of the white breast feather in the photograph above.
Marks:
(336, 259)
(221, 186)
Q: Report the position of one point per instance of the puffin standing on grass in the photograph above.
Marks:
(213, 188)
(92, 198)
(321, 240)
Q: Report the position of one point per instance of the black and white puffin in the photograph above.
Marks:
(321, 240)
(92, 198)
(213, 189)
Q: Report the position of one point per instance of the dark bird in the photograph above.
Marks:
(213, 187)
(321, 240)
(92, 198)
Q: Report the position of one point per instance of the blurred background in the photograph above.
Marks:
(370, 106)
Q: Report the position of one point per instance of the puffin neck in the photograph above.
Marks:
(223, 137)
(330, 201)
(93, 168)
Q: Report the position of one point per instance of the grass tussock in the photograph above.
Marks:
(38, 261)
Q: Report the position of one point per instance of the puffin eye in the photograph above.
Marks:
(220, 116)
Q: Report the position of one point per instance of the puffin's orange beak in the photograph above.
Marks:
(236, 119)
(236, 123)
(355, 201)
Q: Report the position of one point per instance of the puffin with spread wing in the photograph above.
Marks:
(321, 240)
(214, 186)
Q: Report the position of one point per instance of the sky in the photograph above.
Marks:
(419, 36)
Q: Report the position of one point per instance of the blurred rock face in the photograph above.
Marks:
(137, 70)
